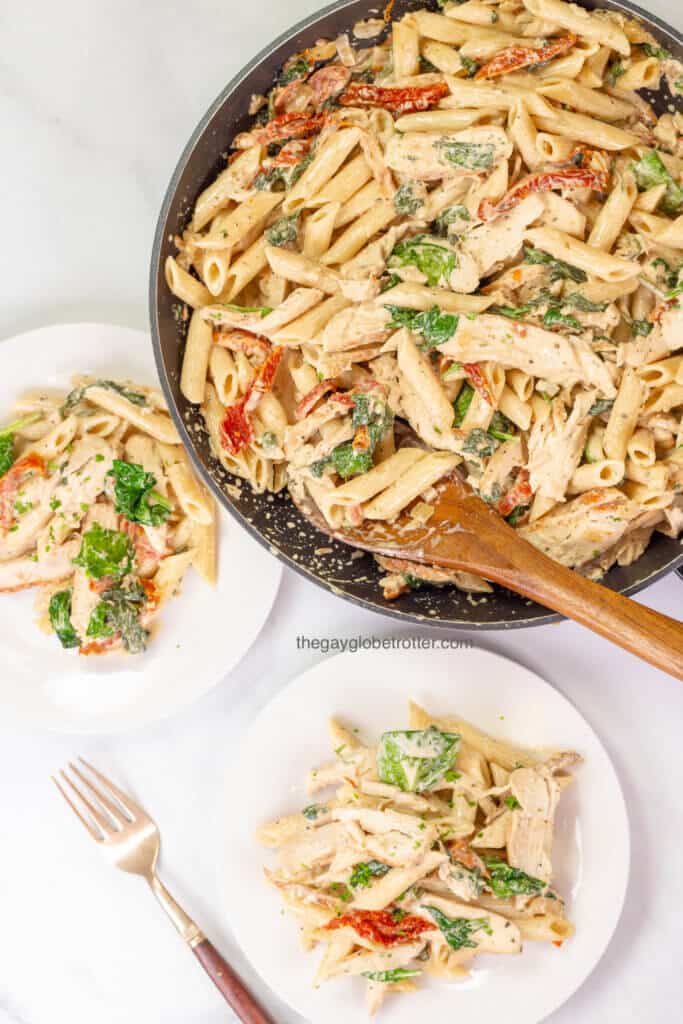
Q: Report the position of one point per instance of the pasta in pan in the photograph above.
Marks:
(436, 846)
(100, 510)
(459, 243)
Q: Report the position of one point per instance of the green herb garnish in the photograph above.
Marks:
(364, 872)
(479, 443)
(389, 977)
(601, 405)
(313, 811)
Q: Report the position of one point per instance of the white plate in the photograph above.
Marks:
(203, 633)
(370, 691)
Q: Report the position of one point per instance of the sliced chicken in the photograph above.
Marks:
(556, 357)
(364, 961)
(379, 822)
(556, 445)
(32, 510)
(430, 156)
(500, 935)
(311, 849)
(529, 844)
(579, 530)
(81, 480)
(86, 594)
(33, 571)
(501, 240)
(356, 325)
(390, 886)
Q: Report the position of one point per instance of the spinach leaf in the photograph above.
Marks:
(578, 301)
(435, 261)
(347, 460)
(641, 327)
(105, 553)
(134, 494)
(512, 312)
(406, 202)
(416, 759)
(284, 231)
(313, 811)
(59, 610)
(119, 612)
(364, 872)
(614, 71)
(505, 881)
(285, 175)
(558, 269)
(435, 327)
(554, 317)
(516, 514)
(462, 403)
(470, 66)
(650, 171)
(600, 406)
(458, 931)
(77, 395)
(263, 310)
(474, 156)
(658, 52)
(299, 69)
(388, 977)
(7, 439)
(480, 443)
(473, 876)
(448, 217)
(390, 282)
(501, 427)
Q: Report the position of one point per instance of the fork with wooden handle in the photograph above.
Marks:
(465, 533)
(130, 840)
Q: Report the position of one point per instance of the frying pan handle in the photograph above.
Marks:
(679, 572)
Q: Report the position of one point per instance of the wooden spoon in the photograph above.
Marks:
(467, 534)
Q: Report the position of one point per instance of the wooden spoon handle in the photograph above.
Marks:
(229, 985)
(647, 634)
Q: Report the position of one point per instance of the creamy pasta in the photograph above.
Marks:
(100, 511)
(458, 243)
(436, 846)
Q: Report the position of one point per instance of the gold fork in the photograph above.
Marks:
(130, 840)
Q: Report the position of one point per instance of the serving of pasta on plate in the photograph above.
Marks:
(436, 846)
(453, 241)
(100, 511)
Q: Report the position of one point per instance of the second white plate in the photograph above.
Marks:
(203, 633)
(371, 691)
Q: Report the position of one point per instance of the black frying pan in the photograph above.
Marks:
(273, 520)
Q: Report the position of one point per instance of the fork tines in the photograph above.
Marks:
(108, 809)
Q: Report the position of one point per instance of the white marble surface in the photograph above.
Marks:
(96, 101)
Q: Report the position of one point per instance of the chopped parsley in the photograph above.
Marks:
(364, 872)
(313, 811)
(512, 802)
